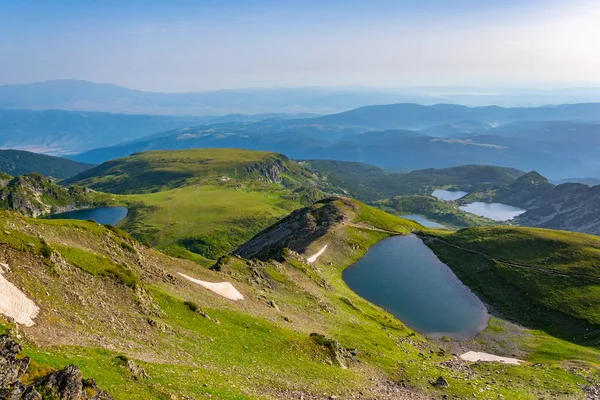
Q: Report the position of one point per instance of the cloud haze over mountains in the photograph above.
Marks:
(190, 46)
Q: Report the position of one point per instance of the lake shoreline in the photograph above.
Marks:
(102, 215)
(403, 276)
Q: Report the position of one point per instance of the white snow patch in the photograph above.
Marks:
(479, 356)
(14, 303)
(314, 257)
(225, 289)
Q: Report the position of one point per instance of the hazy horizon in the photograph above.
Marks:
(417, 89)
(186, 46)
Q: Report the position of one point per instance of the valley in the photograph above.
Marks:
(556, 141)
(295, 200)
(284, 352)
(207, 209)
(261, 267)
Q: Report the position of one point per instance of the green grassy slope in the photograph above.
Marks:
(302, 228)
(104, 299)
(202, 203)
(206, 220)
(549, 280)
(154, 171)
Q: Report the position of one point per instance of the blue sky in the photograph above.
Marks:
(208, 44)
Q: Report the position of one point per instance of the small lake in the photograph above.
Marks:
(402, 275)
(102, 215)
(448, 195)
(423, 221)
(495, 211)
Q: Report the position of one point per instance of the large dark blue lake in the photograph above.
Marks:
(102, 215)
(402, 275)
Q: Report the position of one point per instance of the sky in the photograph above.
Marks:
(185, 45)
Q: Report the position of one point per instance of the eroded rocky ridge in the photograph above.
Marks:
(297, 230)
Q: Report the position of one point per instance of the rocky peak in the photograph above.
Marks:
(297, 230)
(532, 178)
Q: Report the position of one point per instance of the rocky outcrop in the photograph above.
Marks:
(338, 355)
(570, 206)
(524, 190)
(271, 170)
(591, 392)
(34, 195)
(440, 382)
(11, 367)
(297, 230)
(65, 384)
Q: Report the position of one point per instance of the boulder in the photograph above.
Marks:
(11, 367)
(65, 384)
(440, 382)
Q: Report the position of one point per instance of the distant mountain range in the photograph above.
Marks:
(59, 132)
(89, 96)
(560, 142)
(416, 116)
(80, 95)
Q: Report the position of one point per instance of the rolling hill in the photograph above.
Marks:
(546, 279)
(129, 316)
(202, 203)
(17, 162)
(159, 170)
(369, 183)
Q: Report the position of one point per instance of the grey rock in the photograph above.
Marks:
(136, 370)
(65, 384)
(440, 382)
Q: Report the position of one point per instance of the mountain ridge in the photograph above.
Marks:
(19, 162)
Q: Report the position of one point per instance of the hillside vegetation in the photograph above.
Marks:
(124, 315)
(203, 203)
(17, 162)
(36, 195)
(443, 212)
(154, 171)
(568, 206)
(549, 280)
(369, 183)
